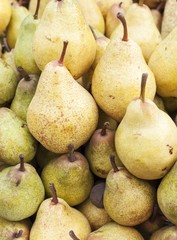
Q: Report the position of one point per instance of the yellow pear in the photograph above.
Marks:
(5, 14)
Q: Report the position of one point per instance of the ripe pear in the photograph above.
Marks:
(163, 64)
(17, 16)
(165, 233)
(32, 6)
(114, 231)
(71, 176)
(60, 219)
(63, 20)
(15, 138)
(92, 14)
(61, 111)
(117, 76)
(98, 150)
(23, 53)
(127, 199)
(21, 191)
(141, 143)
(5, 15)
(24, 93)
(10, 230)
(142, 28)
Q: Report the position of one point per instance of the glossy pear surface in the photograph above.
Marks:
(5, 14)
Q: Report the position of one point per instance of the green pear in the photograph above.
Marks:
(142, 28)
(24, 93)
(23, 53)
(144, 149)
(114, 231)
(117, 76)
(63, 20)
(165, 233)
(10, 230)
(61, 111)
(21, 191)
(55, 219)
(71, 176)
(163, 64)
(127, 199)
(15, 138)
(5, 15)
(98, 149)
(17, 16)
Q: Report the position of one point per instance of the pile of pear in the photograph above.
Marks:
(88, 119)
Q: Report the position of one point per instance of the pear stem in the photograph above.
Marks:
(23, 73)
(93, 32)
(113, 163)
(22, 166)
(121, 17)
(143, 86)
(73, 236)
(37, 9)
(104, 128)
(5, 44)
(120, 4)
(65, 44)
(71, 155)
(154, 213)
(54, 193)
(141, 3)
(18, 235)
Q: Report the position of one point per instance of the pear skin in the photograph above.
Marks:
(5, 14)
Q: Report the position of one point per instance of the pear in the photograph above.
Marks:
(17, 16)
(169, 17)
(117, 76)
(23, 53)
(5, 15)
(92, 14)
(141, 143)
(61, 111)
(166, 195)
(71, 176)
(165, 233)
(10, 230)
(97, 217)
(32, 6)
(163, 64)
(142, 28)
(114, 231)
(127, 199)
(60, 219)
(21, 191)
(24, 93)
(63, 20)
(98, 149)
(15, 138)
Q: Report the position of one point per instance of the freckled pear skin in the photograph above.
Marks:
(61, 111)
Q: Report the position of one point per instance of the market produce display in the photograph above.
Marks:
(88, 120)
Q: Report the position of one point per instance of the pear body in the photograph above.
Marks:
(24, 195)
(141, 27)
(23, 54)
(163, 64)
(165, 233)
(166, 195)
(114, 231)
(59, 218)
(116, 81)
(5, 14)
(57, 25)
(149, 153)
(61, 111)
(125, 196)
(15, 138)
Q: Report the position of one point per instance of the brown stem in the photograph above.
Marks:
(22, 166)
(73, 236)
(141, 2)
(23, 73)
(93, 32)
(18, 235)
(5, 44)
(143, 86)
(65, 44)
(154, 213)
(113, 163)
(71, 156)
(21, 2)
(124, 23)
(160, 6)
(37, 9)
(120, 4)
(104, 128)
(54, 193)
